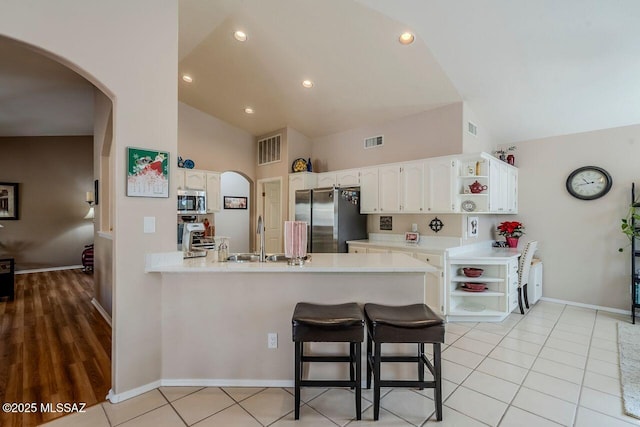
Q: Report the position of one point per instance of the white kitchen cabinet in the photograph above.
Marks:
(497, 196)
(299, 181)
(354, 249)
(369, 190)
(178, 176)
(326, 179)
(389, 189)
(492, 304)
(195, 179)
(348, 178)
(412, 187)
(439, 177)
(500, 179)
(534, 287)
(434, 288)
(512, 190)
(435, 295)
(214, 200)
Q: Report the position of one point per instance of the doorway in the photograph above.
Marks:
(270, 207)
(235, 223)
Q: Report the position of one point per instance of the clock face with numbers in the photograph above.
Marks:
(589, 183)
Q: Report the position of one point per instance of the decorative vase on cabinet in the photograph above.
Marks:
(512, 242)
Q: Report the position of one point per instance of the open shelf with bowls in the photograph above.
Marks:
(479, 289)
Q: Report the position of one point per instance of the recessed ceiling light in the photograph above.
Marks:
(307, 83)
(241, 36)
(248, 110)
(406, 38)
(187, 78)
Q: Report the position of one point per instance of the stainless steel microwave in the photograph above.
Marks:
(192, 202)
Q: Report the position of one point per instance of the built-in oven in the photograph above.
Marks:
(192, 202)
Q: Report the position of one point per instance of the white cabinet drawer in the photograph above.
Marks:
(433, 259)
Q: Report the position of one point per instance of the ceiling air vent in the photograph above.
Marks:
(472, 128)
(269, 150)
(374, 141)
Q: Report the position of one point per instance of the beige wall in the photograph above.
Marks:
(102, 159)
(53, 174)
(131, 55)
(455, 225)
(429, 134)
(579, 240)
(213, 144)
(483, 141)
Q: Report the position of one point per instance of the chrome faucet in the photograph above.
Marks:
(260, 231)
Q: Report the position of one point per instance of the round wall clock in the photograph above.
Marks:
(589, 183)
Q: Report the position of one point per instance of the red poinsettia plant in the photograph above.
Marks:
(511, 229)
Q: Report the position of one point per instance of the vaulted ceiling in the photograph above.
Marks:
(527, 69)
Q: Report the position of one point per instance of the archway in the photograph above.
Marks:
(100, 141)
(234, 220)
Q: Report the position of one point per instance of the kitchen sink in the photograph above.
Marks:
(254, 257)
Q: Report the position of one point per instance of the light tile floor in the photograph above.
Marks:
(557, 365)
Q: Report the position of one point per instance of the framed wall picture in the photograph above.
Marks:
(147, 173)
(235, 202)
(472, 226)
(8, 200)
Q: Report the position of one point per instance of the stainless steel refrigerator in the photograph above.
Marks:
(333, 215)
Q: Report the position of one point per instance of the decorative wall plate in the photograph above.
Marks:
(468, 206)
(299, 165)
(436, 224)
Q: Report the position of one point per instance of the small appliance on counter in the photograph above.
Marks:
(194, 242)
(192, 202)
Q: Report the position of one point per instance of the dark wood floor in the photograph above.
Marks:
(54, 345)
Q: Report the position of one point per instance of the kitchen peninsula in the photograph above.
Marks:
(216, 316)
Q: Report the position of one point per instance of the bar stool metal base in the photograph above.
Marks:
(354, 381)
(328, 323)
(407, 324)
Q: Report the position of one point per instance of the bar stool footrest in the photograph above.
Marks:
(326, 359)
(327, 383)
(407, 383)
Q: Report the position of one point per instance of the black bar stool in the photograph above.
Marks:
(328, 323)
(415, 323)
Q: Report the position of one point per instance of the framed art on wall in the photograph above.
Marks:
(235, 202)
(147, 173)
(8, 200)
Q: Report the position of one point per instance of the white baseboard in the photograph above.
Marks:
(225, 383)
(101, 310)
(40, 270)
(591, 306)
(116, 398)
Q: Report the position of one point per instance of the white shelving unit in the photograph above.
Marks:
(493, 304)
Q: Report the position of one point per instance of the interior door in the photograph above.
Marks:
(272, 217)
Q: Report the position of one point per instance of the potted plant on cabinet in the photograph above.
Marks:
(512, 231)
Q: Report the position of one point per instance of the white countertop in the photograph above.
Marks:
(486, 254)
(172, 262)
(425, 244)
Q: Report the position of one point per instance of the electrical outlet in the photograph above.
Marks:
(272, 340)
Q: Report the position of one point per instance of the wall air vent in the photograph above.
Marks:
(472, 128)
(374, 141)
(269, 150)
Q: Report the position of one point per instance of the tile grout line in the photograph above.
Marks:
(531, 367)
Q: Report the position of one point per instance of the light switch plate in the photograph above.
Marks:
(149, 224)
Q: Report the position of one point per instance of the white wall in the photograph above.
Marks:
(235, 223)
(579, 240)
(129, 50)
